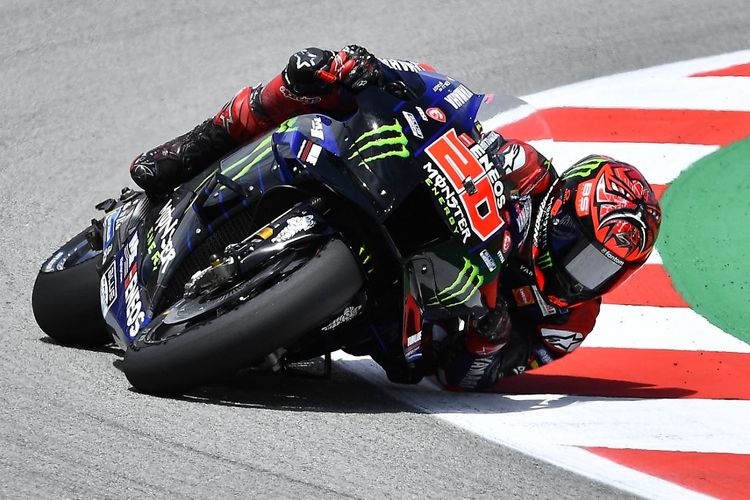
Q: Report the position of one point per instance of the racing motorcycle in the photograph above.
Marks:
(321, 235)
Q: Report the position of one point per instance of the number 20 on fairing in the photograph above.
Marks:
(460, 166)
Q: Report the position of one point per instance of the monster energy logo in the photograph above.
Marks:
(583, 169)
(465, 285)
(544, 261)
(383, 142)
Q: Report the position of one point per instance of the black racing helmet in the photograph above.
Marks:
(596, 226)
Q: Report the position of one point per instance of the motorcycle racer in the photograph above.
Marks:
(576, 236)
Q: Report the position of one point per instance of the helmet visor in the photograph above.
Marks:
(582, 268)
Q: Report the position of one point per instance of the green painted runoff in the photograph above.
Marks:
(705, 237)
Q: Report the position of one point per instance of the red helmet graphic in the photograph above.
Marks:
(596, 226)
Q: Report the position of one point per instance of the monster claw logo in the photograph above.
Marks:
(585, 168)
(383, 142)
(626, 213)
(462, 289)
(544, 261)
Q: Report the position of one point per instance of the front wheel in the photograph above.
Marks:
(65, 299)
(186, 355)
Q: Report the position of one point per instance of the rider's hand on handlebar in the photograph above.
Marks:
(353, 67)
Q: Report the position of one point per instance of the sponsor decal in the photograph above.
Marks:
(446, 197)
(475, 181)
(462, 289)
(525, 270)
(436, 114)
(400, 65)
(316, 129)
(413, 125)
(544, 261)
(164, 228)
(543, 356)
(305, 59)
(421, 113)
(459, 96)
(440, 86)
(131, 250)
(128, 267)
(563, 340)
(108, 288)
(383, 142)
(294, 225)
(466, 140)
(479, 367)
(524, 296)
(309, 152)
(349, 313)
(583, 198)
(507, 240)
(133, 306)
(523, 215)
(153, 253)
(500, 257)
(514, 157)
(583, 169)
(547, 309)
(488, 260)
(413, 339)
(299, 98)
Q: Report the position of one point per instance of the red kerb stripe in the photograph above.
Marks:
(737, 70)
(722, 475)
(638, 373)
(647, 125)
(649, 286)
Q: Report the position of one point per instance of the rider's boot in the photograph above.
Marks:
(161, 169)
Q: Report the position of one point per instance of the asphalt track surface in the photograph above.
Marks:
(85, 86)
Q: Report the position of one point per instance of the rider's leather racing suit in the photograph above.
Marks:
(493, 348)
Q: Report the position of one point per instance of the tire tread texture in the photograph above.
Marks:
(275, 318)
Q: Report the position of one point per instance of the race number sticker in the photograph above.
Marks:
(479, 187)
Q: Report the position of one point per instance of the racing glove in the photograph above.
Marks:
(475, 361)
(354, 67)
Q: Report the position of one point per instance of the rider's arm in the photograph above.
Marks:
(527, 171)
(314, 80)
(560, 335)
(297, 90)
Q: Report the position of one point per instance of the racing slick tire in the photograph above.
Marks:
(65, 300)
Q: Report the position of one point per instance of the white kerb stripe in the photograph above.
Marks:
(659, 163)
(705, 93)
(510, 421)
(646, 327)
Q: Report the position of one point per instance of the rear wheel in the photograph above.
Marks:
(65, 299)
(184, 355)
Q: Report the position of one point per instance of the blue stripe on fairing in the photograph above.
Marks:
(221, 205)
(260, 180)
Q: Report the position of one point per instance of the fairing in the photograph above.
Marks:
(411, 159)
